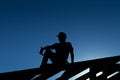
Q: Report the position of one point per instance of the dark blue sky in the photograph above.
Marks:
(92, 26)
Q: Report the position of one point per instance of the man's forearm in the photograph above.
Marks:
(46, 47)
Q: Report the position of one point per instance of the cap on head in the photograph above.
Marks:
(62, 34)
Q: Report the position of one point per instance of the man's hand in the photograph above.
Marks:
(41, 51)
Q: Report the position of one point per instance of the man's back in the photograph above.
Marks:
(62, 51)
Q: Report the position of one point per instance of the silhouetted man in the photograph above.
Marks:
(61, 51)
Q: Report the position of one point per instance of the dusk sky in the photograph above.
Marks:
(92, 26)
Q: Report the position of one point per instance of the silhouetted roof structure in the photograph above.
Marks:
(107, 66)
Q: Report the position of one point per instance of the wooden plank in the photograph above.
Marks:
(116, 77)
(19, 75)
(84, 77)
(71, 69)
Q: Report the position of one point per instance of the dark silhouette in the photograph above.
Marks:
(107, 66)
(60, 54)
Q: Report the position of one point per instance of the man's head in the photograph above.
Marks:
(62, 37)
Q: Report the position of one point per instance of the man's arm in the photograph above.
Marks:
(43, 48)
(47, 47)
(71, 53)
(72, 56)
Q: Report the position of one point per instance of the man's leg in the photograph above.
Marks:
(47, 55)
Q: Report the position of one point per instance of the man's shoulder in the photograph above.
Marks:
(68, 43)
